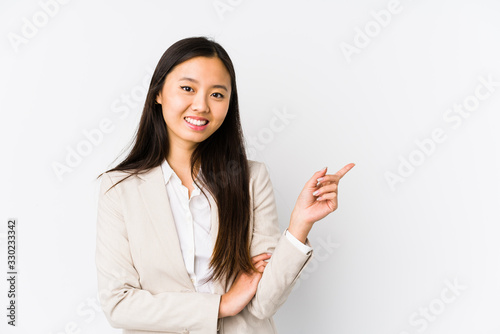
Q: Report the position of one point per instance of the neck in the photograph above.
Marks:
(179, 157)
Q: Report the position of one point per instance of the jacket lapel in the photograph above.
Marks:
(155, 198)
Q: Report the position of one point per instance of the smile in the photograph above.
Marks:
(195, 124)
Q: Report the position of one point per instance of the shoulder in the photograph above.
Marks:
(119, 178)
(258, 171)
(255, 167)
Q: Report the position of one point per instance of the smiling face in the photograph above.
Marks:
(197, 89)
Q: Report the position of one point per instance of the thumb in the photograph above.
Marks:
(314, 179)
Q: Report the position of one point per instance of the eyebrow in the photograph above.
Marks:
(196, 81)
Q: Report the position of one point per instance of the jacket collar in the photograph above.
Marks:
(170, 176)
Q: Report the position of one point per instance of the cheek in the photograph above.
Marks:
(175, 105)
(220, 111)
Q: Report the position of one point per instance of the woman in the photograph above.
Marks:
(186, 224)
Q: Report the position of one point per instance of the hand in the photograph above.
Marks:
(243, 288)
(310, 208)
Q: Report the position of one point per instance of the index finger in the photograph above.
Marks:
(344, 170)
(257, 258)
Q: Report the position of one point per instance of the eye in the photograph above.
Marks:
(219, 95)
(187, 88)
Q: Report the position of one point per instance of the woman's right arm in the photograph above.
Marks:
(243, 289)
(125, 304)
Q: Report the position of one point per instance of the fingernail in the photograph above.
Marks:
(319, 179)
(323, 169)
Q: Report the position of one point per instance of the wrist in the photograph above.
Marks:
(223, 306)
(299, 230)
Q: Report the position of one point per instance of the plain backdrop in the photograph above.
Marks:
(407, 90)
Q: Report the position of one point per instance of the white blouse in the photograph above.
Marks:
(192, 220)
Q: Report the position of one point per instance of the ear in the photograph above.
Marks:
(158, 98)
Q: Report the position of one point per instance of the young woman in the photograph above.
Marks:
(186, 224)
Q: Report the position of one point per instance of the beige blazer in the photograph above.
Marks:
(143, 284)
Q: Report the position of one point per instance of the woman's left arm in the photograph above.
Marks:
(287, 261)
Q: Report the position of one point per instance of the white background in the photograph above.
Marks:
(382, 259)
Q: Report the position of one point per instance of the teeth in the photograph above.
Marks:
(195, 122)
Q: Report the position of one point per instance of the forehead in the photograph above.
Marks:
(203, 69)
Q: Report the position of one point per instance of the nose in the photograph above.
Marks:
(199, 102)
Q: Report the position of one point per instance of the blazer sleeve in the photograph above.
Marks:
(286, 262)
(125, 304)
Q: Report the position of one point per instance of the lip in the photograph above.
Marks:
(195, 127)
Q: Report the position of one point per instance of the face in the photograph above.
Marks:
(195, 91)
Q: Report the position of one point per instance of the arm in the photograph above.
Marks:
(125, 304)
(287, 261)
